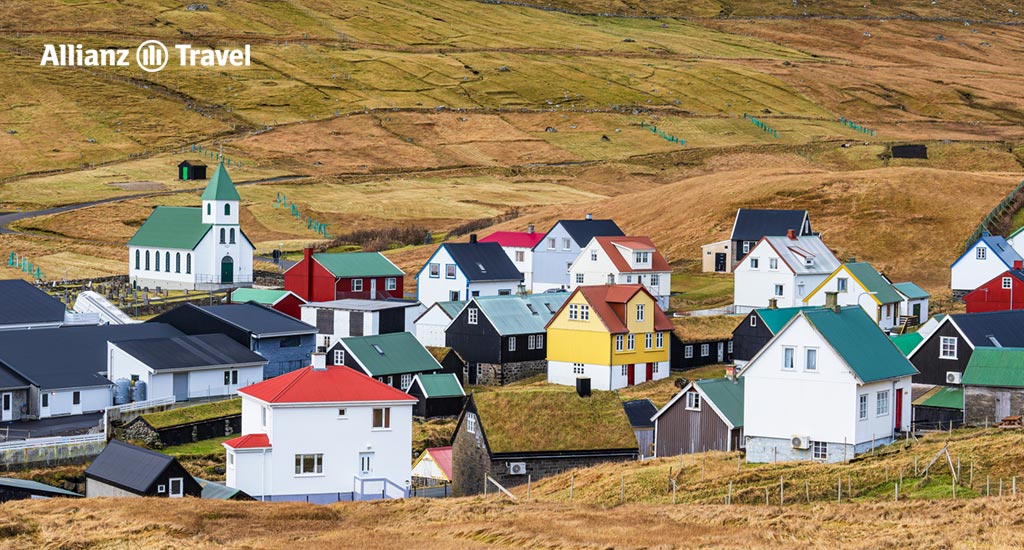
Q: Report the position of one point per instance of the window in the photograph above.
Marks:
(754, 263)
(511, 343)
(773, 263)
(520, 256)
(1007, 283)
(640, 313)
(44, 400)
(208, 209)
(471, 423)
(176, 487)
(453, 295)
(263, 417)
(648, 340)
(584, 312)
(551, 244)
(223, 236)
(778, 290)
(688, 352)
(566, 244)
(406, 381)
(435, 270)
(862, 406)
(231, 460)
(472, 315)
(593, 255)
(746, 246)
(342, 413)
(231, 235)
(188, 262)
(577, 368)
(841, 284)
(947, 347)
(540, 341)
(787, 358)
(730, 346)
(619, 342)
(156, 260)
(138, 259)
(357, 285)
(177, 262)
(568, 266)
(654, 279)
(382, 418)
(812, 359)
(705, 349)
(625, 370)
(339, 357)
(753, 320)
(291, 341)
(309, 464)
(390, 283)
(819, 450)
(692, 401)
(579, 278)
(531, 342)
(981, 253)
(167, 262)
(147, 260)
(364, 463)
(76, 398)
(641, 257)
(227, 209)
(882, 403)
(629, 278)
(574, 312)
(227, 378)
(449, 271)
(660, 340)
(630, 342)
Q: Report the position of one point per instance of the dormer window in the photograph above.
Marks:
(809, 261)
(642, 257)
(981, 253)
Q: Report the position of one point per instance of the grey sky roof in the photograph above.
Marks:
(185, 352)
(751, 224)
(259, 320)
(22, 303)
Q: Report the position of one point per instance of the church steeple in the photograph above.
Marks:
(220, 199)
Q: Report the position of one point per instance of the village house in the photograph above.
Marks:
(125, 470)
(553, 256)
(698, 341)
(845, 385)
(859, 284)
(285, 301)
(915, 302)
(989, 256)
(623, 260)
(431, 324)
(193, 248)
(433, 467)
(942, 357)
(615, 335)
(706, 415)
(1000, 293)
(938, 407)
(993, 386)
(285, 342)
(757, 328)
(322, 434)
(25, 306)
(185, 367)
(518, 245)
(503, 338)
(749, 226)
(509, 436)
(785, 268)
(355, 317)
(460, 271)
(439, 395)
(640, 413)
(394, 359)
(333, 276)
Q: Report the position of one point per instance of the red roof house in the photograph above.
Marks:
(330, 384)
(514, 239)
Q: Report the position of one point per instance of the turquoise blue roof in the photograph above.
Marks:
(775, 319)
(452, 308)
(860, 343)
(911, 291)
(515, 314)
(726, 396)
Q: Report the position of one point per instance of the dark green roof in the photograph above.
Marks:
(1002, 367)
(775, 319)
(215, 491)
(726, 396)
(172, 227)
(440, 385)
(942, 397)
(358, 264)
(907, 342)
(911, 291)
(390, 354)
(860, 343)
(873, 281)
(220, 187)
(264, 296)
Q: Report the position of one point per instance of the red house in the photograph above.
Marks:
(282, 300)
(361, 275)
(1003, 292)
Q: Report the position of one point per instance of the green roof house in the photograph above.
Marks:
(829, 385)
(706, 415)
(859, 283)
(394, 358)
(194, 248)
(439, 395)
(993, 385)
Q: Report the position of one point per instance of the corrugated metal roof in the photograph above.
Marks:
(907, 342)
(174, 227)
(358, 264)
(727, 397)
(22, 303)
(390, 354)
(992, 328)
(483, 261)
(581, 231)
(263, 296)
(942, 397)
(751, 224)
(128, 466)
(860, 343)
(1002, 367)
(911, 291)
(775, 319)
(640, 412)
(257, 319)
(216, 491)
(452, 308)
(873, 281)
(517, 314)
(796, 252)
(190, 352)
(36, 487)
(439, 385)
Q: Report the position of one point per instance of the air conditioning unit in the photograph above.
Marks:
(953, 377)
(801, 441)
(517, 468)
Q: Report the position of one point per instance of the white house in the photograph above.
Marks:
(322, 434)
(460, 271)
(430, 326)
(785, 268)
(623, 260)
(518, 245)
(554, 255)
(185, 367)
(982, 261)
(859, 284)
(338, 319)
(826, 387)
(915, 302)
(193, 248)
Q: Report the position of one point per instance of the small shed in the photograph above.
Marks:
(124, 470)
(939, 407)
(433, 467)
(641, 417)
(909, 151)
(438, 394)
(191, 170)
(993, 385)
(706, 415)
(20, 489)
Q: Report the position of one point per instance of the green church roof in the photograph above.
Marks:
(220, 187)
(172, 227)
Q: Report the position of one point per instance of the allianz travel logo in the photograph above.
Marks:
(150, 56)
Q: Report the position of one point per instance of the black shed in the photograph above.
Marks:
(124, 470)
(191, 170)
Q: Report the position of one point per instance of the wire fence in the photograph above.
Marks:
(1005, 206)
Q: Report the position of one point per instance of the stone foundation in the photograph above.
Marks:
(493, 374)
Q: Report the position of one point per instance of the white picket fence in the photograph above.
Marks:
(57, 441)
(136, 405)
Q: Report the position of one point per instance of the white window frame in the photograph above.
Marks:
(1007, 283)
(531, 341)
(357, 285)
(579, 278)
(471, 423)
(593, 255)
(649, 340)
(640, 312)
(405, 381)
(449, 271)
(882, 403)
(551, 243)
(654, 279)
(339, 357)
(705, 350)
(434, 271)
(779, 290)
(390, 283)
(511, 343)
(520, 256)
(385, 419)
(981, 253)
(693, 400)
(620, 342)
(819, 450)
(788, 358)
(540, 341)
(342, 413)
(472, 315)
(753, 320)
(862, 406)
(773, 264)
(574, 312)
(300, 464)
(660, 340)
(746, 247)
(577, 368)
(630, 342)
(566, 243)
(181, 487)
(584, 312)
(688, 351)
(754, 263)
(947, 351)
(808, 353)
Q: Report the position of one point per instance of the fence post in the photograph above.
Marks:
(529, 481)
(729, 498)
(622, 493)
(839, 490)
(673, 491)
(807, 491)
(572, 484)
(782, 492)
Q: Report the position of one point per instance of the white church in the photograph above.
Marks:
(189, 248)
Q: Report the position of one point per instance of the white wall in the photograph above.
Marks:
(430, 290)
(526, 266)
(602, 377)
(430, 328)
(969, 273)
(753, 287)
(204, 383)
(93, 399)
(595, 272)
(856, 294)
(907, 307)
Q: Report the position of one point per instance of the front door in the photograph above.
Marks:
(227, 270)
(176, 487)
(721, 352)
(650, 371)
(180, 386)
(8, 403)
(917, 313)
(899, 409)
(365, 463)
(76, 402)
(373, 289)
(631, 375)
(720, 262)
(1002, 405)
(44, 405)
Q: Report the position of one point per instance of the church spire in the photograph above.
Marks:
(220, 187)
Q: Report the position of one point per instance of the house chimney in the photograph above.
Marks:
(307, 258)
(472, 237)
(319, 360)
(730, 373)
(773, 303)
(589, 217)
(851, 260)
(791, 234)
(521, 289)
(1017, 264)
(529, 229)
(583, 387)
(832, 301)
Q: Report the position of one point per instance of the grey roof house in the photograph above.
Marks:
(124, 470)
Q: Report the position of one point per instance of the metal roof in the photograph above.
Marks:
(907, 342)
(358, 264)
(259, 320)
(775, 319)
(998, 246)
(581, 231)
(220, 187)
(873, 281)
(265, 296)
(942, 397)
(439, 385)
(911, 291)
(129, 467)
(751, 224)
(216, 491)
(992, 329)
(483, 261)
(190, 352)
(796, 252)
(21, 303)
(176, 227)
(390, 354)
(1001, 367)
(355, 304)
(35, 487)
(640, 412)
(516, 314)
(869, 353)
(726, 396)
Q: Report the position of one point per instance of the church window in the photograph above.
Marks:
(138, 259)
(188, 263)
(231, 237)
(167, 262)
(227, 209)
(177, 262)
(156, 258)
(222, 233)
(147, 260)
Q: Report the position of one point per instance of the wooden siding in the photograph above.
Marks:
(679, 361)
(933, 369)
(748, 340)
(680, 431)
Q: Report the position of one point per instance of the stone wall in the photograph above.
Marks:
(50, 456)
(980, 404)
(494, 374)
(139, 430)
(470, 461)
(537, 468)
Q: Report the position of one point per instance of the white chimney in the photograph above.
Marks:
(319, 360)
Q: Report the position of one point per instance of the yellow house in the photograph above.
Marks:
(616, 335)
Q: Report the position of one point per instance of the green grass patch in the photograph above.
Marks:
(199, 448)
(194, 413)
(700, 290)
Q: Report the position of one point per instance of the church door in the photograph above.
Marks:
(227, 270)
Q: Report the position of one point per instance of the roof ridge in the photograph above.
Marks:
(295, 379)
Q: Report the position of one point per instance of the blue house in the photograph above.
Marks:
(285, 342)
(990, 256)
(553, 255)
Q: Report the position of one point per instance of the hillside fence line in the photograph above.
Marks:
(1007, 206)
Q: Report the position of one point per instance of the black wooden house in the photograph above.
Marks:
(191, 170)
(757, 328)
(942, 357)
(124, 470)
